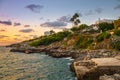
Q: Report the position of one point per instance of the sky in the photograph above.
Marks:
(26, 19)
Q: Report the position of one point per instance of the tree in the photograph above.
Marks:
(75, 19)
(52, 32)
(82, 26)
(117, 23)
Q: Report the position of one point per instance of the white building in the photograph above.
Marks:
(104, 20)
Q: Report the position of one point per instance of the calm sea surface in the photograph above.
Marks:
(20, 66)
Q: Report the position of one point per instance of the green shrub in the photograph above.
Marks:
(106, 26)
(117, 32)
(84, 42)
(99, 38)
(115, 44)
(74, 29)
(83, 26)
(103, 36)
(50, 39)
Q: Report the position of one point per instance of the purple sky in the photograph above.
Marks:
(36, 16)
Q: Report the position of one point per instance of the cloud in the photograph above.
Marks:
(34, 36)
(117, 7)
(17, 35)
(90, 12)
(35, 8)
(17, 39)
(6, 22)
(2, 30)
(17, 24)
(25, 37)
(64, 19)
(26, 25)
(54, 24)
(26, 30)
(41, 18)
(2, 36)
(99, 10)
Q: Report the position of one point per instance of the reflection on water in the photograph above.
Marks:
(20, 66)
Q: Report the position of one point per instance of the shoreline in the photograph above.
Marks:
(40, 64)
(76, 55)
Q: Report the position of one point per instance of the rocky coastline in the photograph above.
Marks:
(77, 55)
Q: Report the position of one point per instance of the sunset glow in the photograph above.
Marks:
(26, 19)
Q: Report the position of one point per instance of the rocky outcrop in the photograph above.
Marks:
(30, 50)
(83, 66)
(93, 69)
(110, 77)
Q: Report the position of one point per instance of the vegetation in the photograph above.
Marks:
(103, 36)
(81, 27)
(75, 19)
(117, 32)
(84, 41)
(52, 32)
(75, 29)
(106, 26)
(115, 44)
(117, 23)
(79, 40)
(50, 39)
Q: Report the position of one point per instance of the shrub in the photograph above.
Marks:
(74, 29)
(103, 36)
(117, 32)
(115, 44)
(117, 23)
(106, 26)
(83, 26)
(84, 42)
(50, 39)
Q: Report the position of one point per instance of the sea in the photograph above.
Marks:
(36, 66)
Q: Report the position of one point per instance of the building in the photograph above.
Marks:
(104, 20)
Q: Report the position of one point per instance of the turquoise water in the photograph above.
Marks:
(20, 66)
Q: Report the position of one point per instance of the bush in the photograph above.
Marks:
(117, 32)
(83, 26)
(106, 26)
(74, 29)
(117, 23)
(50, 39)
(115, 44)
(103, 36)
(84, 42)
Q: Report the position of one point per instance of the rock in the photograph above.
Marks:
(28, 51)
(110, 77)
(93, 69)
(105, 77)
(17, 50)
